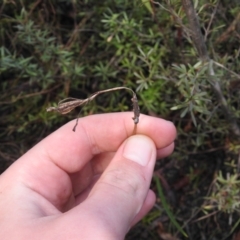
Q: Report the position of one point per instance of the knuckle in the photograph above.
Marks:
(125, 180)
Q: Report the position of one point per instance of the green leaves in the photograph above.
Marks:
(166, 207)
(226, 194)
(104, 71)
(192, 85)
(147, 4)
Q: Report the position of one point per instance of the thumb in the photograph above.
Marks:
(123, 188)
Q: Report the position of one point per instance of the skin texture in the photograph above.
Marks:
(89, 184)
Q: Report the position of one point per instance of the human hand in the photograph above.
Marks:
(91, 184)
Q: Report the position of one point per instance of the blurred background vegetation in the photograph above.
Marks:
(182, 71)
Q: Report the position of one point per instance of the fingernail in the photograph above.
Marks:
(139, 149)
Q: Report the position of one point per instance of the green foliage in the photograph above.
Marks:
(192, 84)
(55, 49)
(167, 209)
(226, 194)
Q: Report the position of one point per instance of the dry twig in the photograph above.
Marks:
(68, 104)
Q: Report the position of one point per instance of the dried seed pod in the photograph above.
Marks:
(136, 109)
(68, 104)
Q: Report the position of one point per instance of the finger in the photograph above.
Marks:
(97, 134)
(120, 193)
(164, 152)
(146, 207)
(46, 168)
(99, 163)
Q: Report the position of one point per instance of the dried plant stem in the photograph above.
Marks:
(198, 41)
(68, 104)
(196, 34)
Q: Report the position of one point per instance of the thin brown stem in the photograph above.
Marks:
(68, 104)
(195, 29)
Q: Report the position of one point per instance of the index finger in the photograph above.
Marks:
(98, 134)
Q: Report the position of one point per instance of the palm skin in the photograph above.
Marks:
(84, 185)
